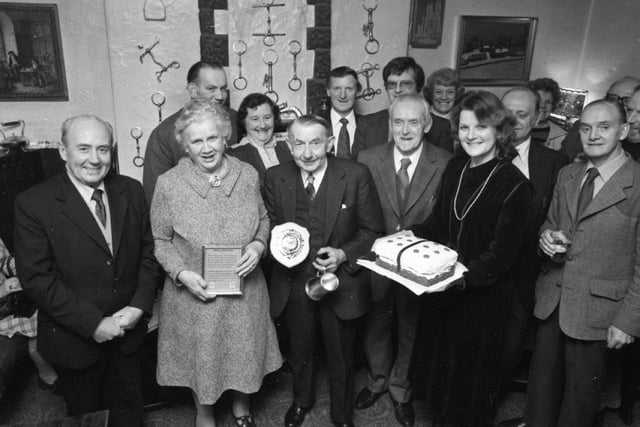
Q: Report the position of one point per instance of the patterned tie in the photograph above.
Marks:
(343, 140)
(311, 191)
(586, 194)
(99, 209)
(403, 177)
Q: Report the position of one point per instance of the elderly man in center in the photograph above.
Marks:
(407, 173)
(336, 200)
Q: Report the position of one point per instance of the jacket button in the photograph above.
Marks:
(398, 227)
(109, 262)
(569, 258)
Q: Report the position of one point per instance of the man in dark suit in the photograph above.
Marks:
(205, 81)
(401, 75)
(541, 166)
(588, 300)
(406, 194)
(336, 200)
(342, 87)
(84, 255)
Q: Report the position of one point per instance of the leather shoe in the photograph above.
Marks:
(405, 414)
(295, 416)
(347, 424)
(366, 398)
(514, 422)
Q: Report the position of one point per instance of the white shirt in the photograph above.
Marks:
(318, 176)
(414, 157)
(521, 161)
(86, 192)
(336, 126)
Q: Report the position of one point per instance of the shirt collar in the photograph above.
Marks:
(414, 157)
(335, 118)
(85, 191)
(607, 170)
(317, 175)
(523, 149)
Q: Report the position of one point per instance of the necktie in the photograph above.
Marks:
(311, 191)
(403, 177)
(343, 140)
(99, 209)
(586, 194)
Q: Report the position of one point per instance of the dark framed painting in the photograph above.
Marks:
(495, 50)
(426, 23)
(31, 61)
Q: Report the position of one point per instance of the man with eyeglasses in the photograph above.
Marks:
(620, 91)
(402, 75)
(335, 199)
(205, 81)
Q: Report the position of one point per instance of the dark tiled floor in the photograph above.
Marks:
(29, 404)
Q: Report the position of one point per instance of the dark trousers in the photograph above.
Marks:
(112, 382)
(565, 379)
(302, 317)
(520, 318)
(386, 370)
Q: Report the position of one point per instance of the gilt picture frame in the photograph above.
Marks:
(495, 50)
(31, 59)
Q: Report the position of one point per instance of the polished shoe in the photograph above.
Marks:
(347, 424)
(405, 414)
(295, 416)
(245, 421)
(366, 398)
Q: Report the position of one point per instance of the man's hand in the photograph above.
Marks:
(551, 242)
(9, 286)
(128, 317)
(616, 339)
(107, 330)
(331, 260)
(196, 285)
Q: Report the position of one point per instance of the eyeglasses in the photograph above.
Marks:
(622, 100)
(403, 85)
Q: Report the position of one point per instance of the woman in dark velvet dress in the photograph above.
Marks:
(482, 210)
(258, 116)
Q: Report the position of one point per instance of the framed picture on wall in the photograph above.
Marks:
(426, 23)
(31, 61)
(495, 51)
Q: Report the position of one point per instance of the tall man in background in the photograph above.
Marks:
(206, 81)
(342, 88)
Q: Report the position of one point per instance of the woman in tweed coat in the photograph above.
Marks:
(207, 343)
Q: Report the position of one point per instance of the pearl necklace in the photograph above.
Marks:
(473, 202)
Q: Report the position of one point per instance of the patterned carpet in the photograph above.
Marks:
(30, 405)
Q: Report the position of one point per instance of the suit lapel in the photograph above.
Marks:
(612, 192)
(387, 172)
(335, 181)
(117, 209)
(75, 208)
(572, 191)
(424, 172)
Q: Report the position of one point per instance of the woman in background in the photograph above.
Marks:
(482, 211)
(258, 115)
(545, 131)
(206, 342)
